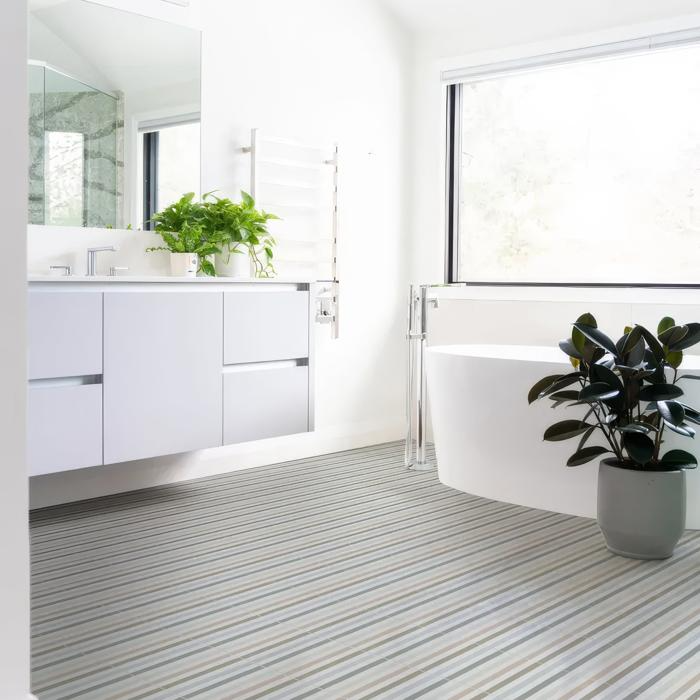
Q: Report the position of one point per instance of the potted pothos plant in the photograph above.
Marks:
(182, 226)
(631, 393)
(234, 234)
(246, 245)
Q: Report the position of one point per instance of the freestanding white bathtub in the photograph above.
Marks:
(488, 440)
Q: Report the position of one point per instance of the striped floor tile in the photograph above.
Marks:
(347, 576)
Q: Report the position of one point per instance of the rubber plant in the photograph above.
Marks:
(630, 391)
(183, 228)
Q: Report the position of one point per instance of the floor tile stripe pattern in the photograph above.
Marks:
(347, 576)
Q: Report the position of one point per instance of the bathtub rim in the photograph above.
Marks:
(545, 354)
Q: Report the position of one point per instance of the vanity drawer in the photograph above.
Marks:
(64, 334)
(64, 427)
(265, 326)
(265, 403)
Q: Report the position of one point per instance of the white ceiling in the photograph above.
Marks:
(431, 17)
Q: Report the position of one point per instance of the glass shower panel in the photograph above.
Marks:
(74, 177)
(36, 144)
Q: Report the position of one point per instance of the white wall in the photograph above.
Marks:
(318, 71)
(14, 544)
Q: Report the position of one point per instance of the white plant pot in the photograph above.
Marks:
(237, 265)
(184, 264)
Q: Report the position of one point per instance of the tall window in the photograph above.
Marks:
(171, 165)
(578, 172)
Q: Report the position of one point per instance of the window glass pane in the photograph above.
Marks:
(65, 157)
(587, 172)
(178, 163)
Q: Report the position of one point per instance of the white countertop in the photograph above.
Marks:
(144, 279)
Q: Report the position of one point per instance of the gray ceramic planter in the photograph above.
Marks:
(641, 513)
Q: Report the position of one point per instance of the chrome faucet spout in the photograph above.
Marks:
(92, 256)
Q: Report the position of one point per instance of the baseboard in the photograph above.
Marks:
(82, 484)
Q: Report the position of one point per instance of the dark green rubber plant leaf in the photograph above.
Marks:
(664, 324)
(585, 455)
(566, 429)
(601, 373)
(660, 392)
(691, 414)
(636, 427)
(564, 396)
(671, 411)
(692, 338)
(685, 430)
(678, 459)
(597, 337)
(585, 437)
(569, 348)
(655, 346)
(671, 336)
(629, 341)
(689, 376)
(639, 447)
(674, 358)
(577, 337)
(562, 383)
(598, 391)
(541, 386)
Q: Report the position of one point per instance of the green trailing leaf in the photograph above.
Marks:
(660, 392)
(678, 459)
(566, 429)
(537, 390)
(587, 454)
(598, 391)
(640, 447)
(597, 337)
(689, 376)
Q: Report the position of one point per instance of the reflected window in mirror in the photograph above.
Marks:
(170, 157)
(97, 75)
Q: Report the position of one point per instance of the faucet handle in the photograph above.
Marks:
(114, 271)
(67, 269)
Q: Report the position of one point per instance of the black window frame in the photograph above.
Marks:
(453, 183)
(150, 177)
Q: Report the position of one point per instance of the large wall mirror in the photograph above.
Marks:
(114, 114)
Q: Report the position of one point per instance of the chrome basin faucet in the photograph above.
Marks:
(92, 255)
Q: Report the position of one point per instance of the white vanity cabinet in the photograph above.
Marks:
(121, 371)
(162, 359)
(266, 373)
(64, 403)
